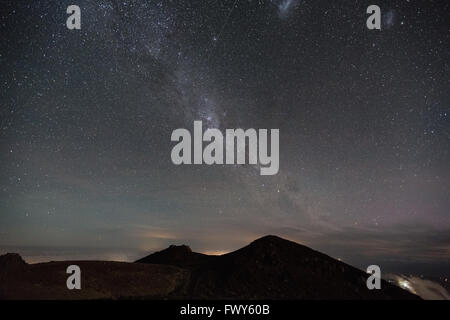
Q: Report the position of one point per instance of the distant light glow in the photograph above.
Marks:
(406, 285)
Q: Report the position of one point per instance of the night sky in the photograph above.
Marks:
(364, 120)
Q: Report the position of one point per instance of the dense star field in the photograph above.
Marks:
(87, 116)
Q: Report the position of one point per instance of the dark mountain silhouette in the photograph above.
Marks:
(271, 268)
(268, 268)
(11, 260)
(181, 256)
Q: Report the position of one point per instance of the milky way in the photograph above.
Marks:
(87, 115)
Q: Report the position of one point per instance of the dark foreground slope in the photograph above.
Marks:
(99, 279)
(271, 268)
(268, 268)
